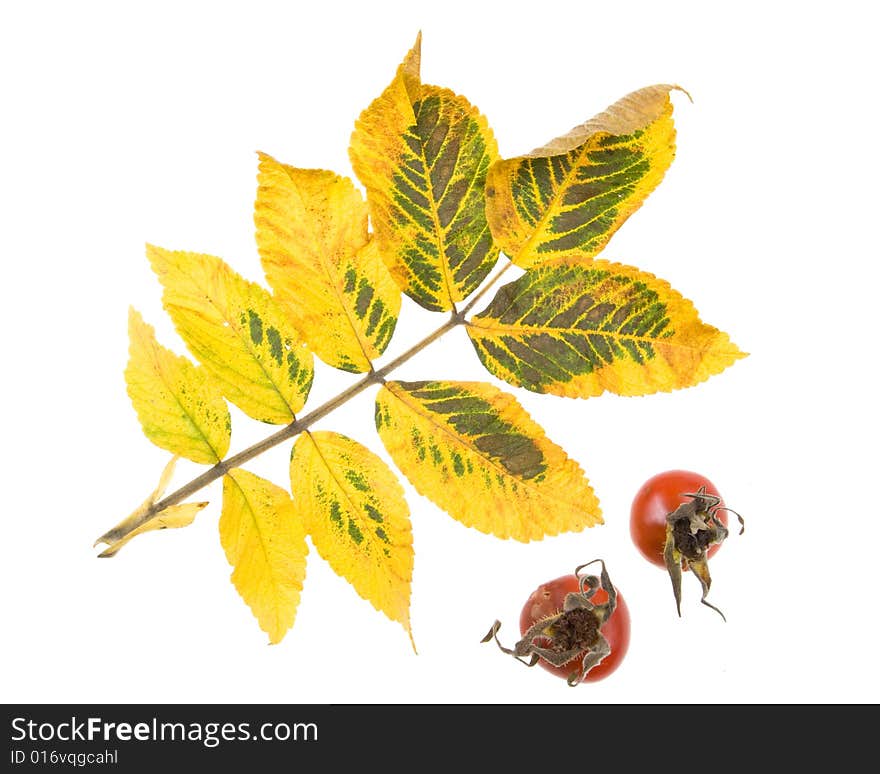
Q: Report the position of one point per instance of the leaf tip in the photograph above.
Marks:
(158, 257)
(676, 87)
(410, 69)
(152, 251)
(264, 158)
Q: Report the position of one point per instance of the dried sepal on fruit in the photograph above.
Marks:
(691, 529)
(574, 634)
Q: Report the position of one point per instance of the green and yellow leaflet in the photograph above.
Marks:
(354, 511)
(573, 193)
(577, 328)
(322, 263)
(423, 153)
(474, 451)
(179, 407)
(238, 332)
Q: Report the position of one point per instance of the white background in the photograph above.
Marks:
(128, 123)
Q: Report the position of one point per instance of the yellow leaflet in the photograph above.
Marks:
(238, 332)
(319, 259)
(576, 191)
(180, 409)
(264, 541)
(356, 515)
(576, 327)
(422, 153)
(474, 451)
(173, 517)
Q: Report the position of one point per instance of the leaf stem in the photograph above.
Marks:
(288, 431)
(455, 319)
(485, 289)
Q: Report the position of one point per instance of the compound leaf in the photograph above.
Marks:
(179, 407)
(475, 452)
(422, 153)
(355, 513)
(265, 543)
(576, 191)
(238, 332)
(577, 328)
(322, 264)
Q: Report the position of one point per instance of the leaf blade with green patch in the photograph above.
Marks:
(475, 452)
(322, 264)
(238, 332)
(576, 328)
(423, 152)
(179, 407)
(355, 513)
(575, 192)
